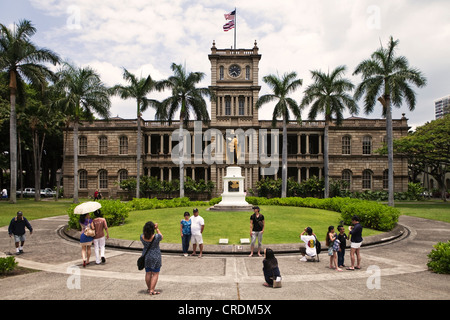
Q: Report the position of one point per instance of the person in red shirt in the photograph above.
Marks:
(100, 226)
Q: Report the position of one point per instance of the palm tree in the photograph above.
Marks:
(23, 61)
(83, 94)
(186, 98)
(329, 95)
(281, 88)
(138, 89)
(387, 78)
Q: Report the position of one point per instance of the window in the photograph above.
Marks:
(221, 73)
(82, 145)
(103, 179)
(386, 179)
(227, 105)
(247, 73)
(346, 144)
(241, 105)
(123, 145)
(367, 145)
(347, 178)
(367, 179)
(102, 145)
(82, 177)
(123, 175)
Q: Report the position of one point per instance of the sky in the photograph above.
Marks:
(147, 36)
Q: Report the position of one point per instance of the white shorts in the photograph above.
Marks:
(355, 245)
(196, 239)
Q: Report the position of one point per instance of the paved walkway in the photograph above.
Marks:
(393, 267)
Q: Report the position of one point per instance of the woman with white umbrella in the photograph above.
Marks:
(87, 228)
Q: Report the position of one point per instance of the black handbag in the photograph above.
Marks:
(141, 260)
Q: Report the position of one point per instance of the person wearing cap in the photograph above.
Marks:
(17, 228)
(257, 225)
(197, 226)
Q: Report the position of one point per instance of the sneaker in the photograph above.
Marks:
(103, 260)
(304, 259)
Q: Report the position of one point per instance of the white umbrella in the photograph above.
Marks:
(87, 207)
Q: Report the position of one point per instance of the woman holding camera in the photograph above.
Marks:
(150, 238)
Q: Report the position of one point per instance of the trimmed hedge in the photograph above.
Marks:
(372, 214)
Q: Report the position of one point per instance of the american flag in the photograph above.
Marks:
(231, 15)
(228, 26)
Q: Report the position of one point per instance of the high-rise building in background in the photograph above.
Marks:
(442, 106)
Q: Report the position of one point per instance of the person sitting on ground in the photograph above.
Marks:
(270, 268)
(309, 251)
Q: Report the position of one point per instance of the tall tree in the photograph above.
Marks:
(281, 88)
(23, 61)
(138, 89)
(186, 98)
(329, 95)
(83, 94)
(387, 78)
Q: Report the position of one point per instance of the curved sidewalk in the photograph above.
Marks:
(398, 232)
(393, 267)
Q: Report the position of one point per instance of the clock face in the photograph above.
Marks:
(234, 70)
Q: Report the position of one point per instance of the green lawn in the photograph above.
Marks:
(436, 210)
(283, 224)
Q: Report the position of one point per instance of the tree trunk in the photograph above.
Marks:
(75, 161)
(284, 161)
(138, 156)
(390, 151)
(36, 166)
(181, 156)
(13, 140)
(325, 161)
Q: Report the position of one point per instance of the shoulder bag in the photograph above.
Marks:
(141, 260)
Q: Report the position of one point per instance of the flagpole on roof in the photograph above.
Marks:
(235, 16)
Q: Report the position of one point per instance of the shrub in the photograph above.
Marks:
(371, 214)
(7, 264)
(439, 258)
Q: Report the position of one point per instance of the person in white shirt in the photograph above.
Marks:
(5, 194)
(310, 244)
(197, 226)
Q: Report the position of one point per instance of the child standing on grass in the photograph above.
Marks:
(333, 245)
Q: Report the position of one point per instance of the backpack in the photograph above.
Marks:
(318, 247)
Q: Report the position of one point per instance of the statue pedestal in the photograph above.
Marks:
(233, 197)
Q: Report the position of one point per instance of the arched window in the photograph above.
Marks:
(367, 179)
(346, 144)
(367, 145)
(82, 145)
(247, 73)
(102, 145)
(82, 179)
(123, 175)
(103, 179)
(123, 145)
(347, 178)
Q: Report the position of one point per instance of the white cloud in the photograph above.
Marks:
(292, 35)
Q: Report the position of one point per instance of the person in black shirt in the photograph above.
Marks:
(17, 228)
(342, 237)
(257, 225)
(355, 243)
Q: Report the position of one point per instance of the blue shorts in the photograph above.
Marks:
(152, 270)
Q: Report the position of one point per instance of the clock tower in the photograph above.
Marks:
(234, 79)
